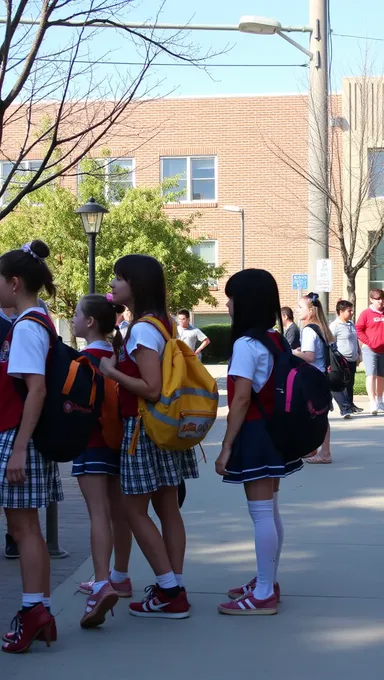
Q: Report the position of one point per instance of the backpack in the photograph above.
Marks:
(299, 421)
(338, 371)
(109, 419)
(5, 327)
(75, 393)
(187, 407)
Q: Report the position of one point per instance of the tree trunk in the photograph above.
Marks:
(351, 287)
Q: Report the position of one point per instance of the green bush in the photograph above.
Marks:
(218, 349)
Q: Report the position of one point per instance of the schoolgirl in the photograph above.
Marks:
(97, 471)
(248, 455)
(313, 350)
(27, 481)
(149, 475)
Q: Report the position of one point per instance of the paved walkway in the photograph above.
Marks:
(331, 622)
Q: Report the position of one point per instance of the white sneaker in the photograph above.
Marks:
(374, 408)
(380, 406)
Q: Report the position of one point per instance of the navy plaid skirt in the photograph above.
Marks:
(255, 457)
(150, 468)
(42, 484)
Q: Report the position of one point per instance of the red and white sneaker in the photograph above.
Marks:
(248, 605)
(123, 589)
(235, 593)
(11, 636)
(157, 605)
(30, 625)
(98, 605)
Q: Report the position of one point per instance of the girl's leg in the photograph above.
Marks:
(25, 527)
(122, 534)
(95, 491)
(278, 524)
(261, 509)
(166, 505)
(326, 447)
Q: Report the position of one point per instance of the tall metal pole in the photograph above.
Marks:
(318, 203)
(91, 261)
(242, 239)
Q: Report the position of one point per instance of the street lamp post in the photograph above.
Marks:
(91, 214)
(237, 209)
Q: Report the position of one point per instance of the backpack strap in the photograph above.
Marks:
(268, 342)
(154, 321)
(38, 318)
(318, 332)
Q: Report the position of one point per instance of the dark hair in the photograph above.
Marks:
(376, 294)
(287, 311)
(28, 264)
(146, 278)
(342, 305)
(103, 311)
(256, 302)
(184, 312)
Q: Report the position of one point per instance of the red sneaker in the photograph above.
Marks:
(156, 604)
(98, 605)
(9, 637)
(30, 625)
(123, 589)
(249, 605)
(235, 593)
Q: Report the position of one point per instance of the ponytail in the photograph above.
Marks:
(317, 315)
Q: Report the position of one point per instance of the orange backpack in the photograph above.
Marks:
(110, 419)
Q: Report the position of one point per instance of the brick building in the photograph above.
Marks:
(228, 151)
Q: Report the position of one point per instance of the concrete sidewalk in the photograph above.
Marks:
(331, 622)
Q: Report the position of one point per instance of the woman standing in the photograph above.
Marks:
(370, 331)
(248, 455)
(313, 350)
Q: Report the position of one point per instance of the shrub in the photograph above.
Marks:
(218, 349)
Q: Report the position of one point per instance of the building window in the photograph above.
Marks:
(207, 250)
(377, 267)
(376, 173)
(117, 174)
(197, 177)
(20, 177)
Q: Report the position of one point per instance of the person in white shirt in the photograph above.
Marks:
(313, 350)
(192, 336)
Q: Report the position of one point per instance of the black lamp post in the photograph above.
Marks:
(91, 214)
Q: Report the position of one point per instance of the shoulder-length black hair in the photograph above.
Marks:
(145, 275)
(256, 302)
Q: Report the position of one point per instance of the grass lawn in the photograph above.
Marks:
(360, 382)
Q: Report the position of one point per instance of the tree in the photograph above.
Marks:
(355, 187)
(138, 224)
(54, 91)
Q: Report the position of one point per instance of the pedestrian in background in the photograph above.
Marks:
(291, 330)
(370, 331)
(190, 334)
(345, 335)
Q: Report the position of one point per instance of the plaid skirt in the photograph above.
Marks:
(150, 468)
(42, 484)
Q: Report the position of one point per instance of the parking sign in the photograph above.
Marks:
(299, 281)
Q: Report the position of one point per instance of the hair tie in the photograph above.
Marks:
(315, 298)
(26, 248)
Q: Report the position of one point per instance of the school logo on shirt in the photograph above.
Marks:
(4, 352)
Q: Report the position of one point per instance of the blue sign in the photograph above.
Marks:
(299, 281)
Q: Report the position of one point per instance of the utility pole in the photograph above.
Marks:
(318, 165)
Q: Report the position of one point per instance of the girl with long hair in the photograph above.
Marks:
(314, 351)
(150, 474)
(248, 455)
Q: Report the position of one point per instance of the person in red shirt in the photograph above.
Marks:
(370, 331)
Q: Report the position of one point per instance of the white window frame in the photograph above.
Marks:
(188, 198)
(107, 169)
(24, 165)
(213, 284)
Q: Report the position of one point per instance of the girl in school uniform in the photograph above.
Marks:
(150, 475)
(98, 473)
(248, 455)
(27, 481)
(313, 350)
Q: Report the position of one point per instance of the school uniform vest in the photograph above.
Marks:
(266, 396)
(11, 401)
(97, 440)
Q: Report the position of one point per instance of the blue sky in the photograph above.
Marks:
(365, 19)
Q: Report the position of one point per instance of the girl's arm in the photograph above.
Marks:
(31, 413)
(148, 386)
(236, 416)
(307, 356)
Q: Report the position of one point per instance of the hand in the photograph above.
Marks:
(222, 460)
(16, 466)
(107, 365)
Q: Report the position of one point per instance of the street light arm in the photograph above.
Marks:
(295, 44)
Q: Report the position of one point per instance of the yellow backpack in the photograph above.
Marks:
(187, 407)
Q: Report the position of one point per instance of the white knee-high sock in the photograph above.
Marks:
(279, 530)
(266, 546)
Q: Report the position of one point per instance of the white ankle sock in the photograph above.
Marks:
(180, 580)
(98, 586)
(266, 543)
(29, 599)
(118, 576)
(167, 580)
(279, 530)
(47, 602)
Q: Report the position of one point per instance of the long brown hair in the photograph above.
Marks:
(317, 315)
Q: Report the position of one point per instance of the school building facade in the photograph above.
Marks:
(228, 152)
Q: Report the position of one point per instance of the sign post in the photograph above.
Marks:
(299, 283)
